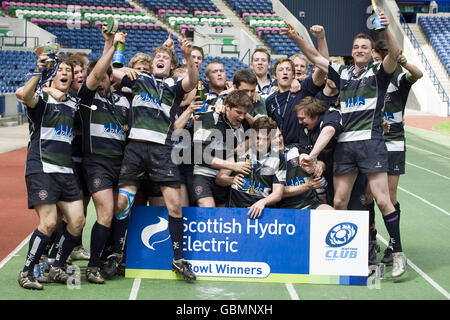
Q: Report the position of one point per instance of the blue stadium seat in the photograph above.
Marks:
(436, 28)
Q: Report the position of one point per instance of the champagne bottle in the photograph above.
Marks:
(201, 97)
(247, 178)
(119, 55)
(377, 25)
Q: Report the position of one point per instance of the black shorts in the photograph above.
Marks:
(206, 187)
(396, 162)
(79, 172)
(49, 188)
(101, 173)
(366, 156)
(148, 160)
(187, 178)
(150, 188)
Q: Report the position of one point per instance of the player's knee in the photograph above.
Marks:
(79, 223)
(340, 203)
(175, 212)
(125, 201)
(383, 204)
(105, 220)
(48, 227)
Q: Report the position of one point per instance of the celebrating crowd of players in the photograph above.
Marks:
(135, 136)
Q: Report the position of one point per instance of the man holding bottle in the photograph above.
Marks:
(360, 146)
(156, 98)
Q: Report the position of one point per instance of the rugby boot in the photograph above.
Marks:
(58, 274)
(111, 265)
(183, 268)
(28, 281)
(79, 253)
(399, 264)
(93, 275)
(387, 258)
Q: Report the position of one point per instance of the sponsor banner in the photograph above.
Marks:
(225, 244)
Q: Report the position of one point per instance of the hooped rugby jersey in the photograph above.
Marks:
(104, 129)
(51, 134)
(361, 96)
(217, 138)
(155, 104)
(267, 170)
(295, 176)
(394, 110)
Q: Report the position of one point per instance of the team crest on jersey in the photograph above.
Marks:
(43, 194)
(294, 162)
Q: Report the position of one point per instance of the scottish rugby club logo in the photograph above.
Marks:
(155, 233)
(341, 234)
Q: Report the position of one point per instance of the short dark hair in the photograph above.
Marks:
(238, 99)
(92, 65)
(364, 36)
(199, 49)
(381, 47)
(67, 60)
(244, 75)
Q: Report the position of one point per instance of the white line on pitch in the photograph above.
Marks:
(14, 252)
(135, 289)
(423, 200)
(292, 292)
(428, 170)
(421, 273)
(433, 153)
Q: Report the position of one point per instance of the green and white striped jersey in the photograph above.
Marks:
(51, 134)
(361, 99)
(155, 104)
(394, 110)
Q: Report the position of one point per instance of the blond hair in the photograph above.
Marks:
(140, 57)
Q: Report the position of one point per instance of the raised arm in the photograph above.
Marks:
(28, 96)
(190, 81)
(390, 61)
(308, 50)
(414, 73)
(319, 32)
(97, 74)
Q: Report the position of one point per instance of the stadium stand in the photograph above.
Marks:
(437, 29)
(251, 5)
(144, 33)
(230, 65)
(20, 63)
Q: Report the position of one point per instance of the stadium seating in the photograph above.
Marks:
(19, 63)
(262, 22)
(186, 5)
(230, 65)
(250, 5)
(437, 29)
(144, 33)
(265, 23)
